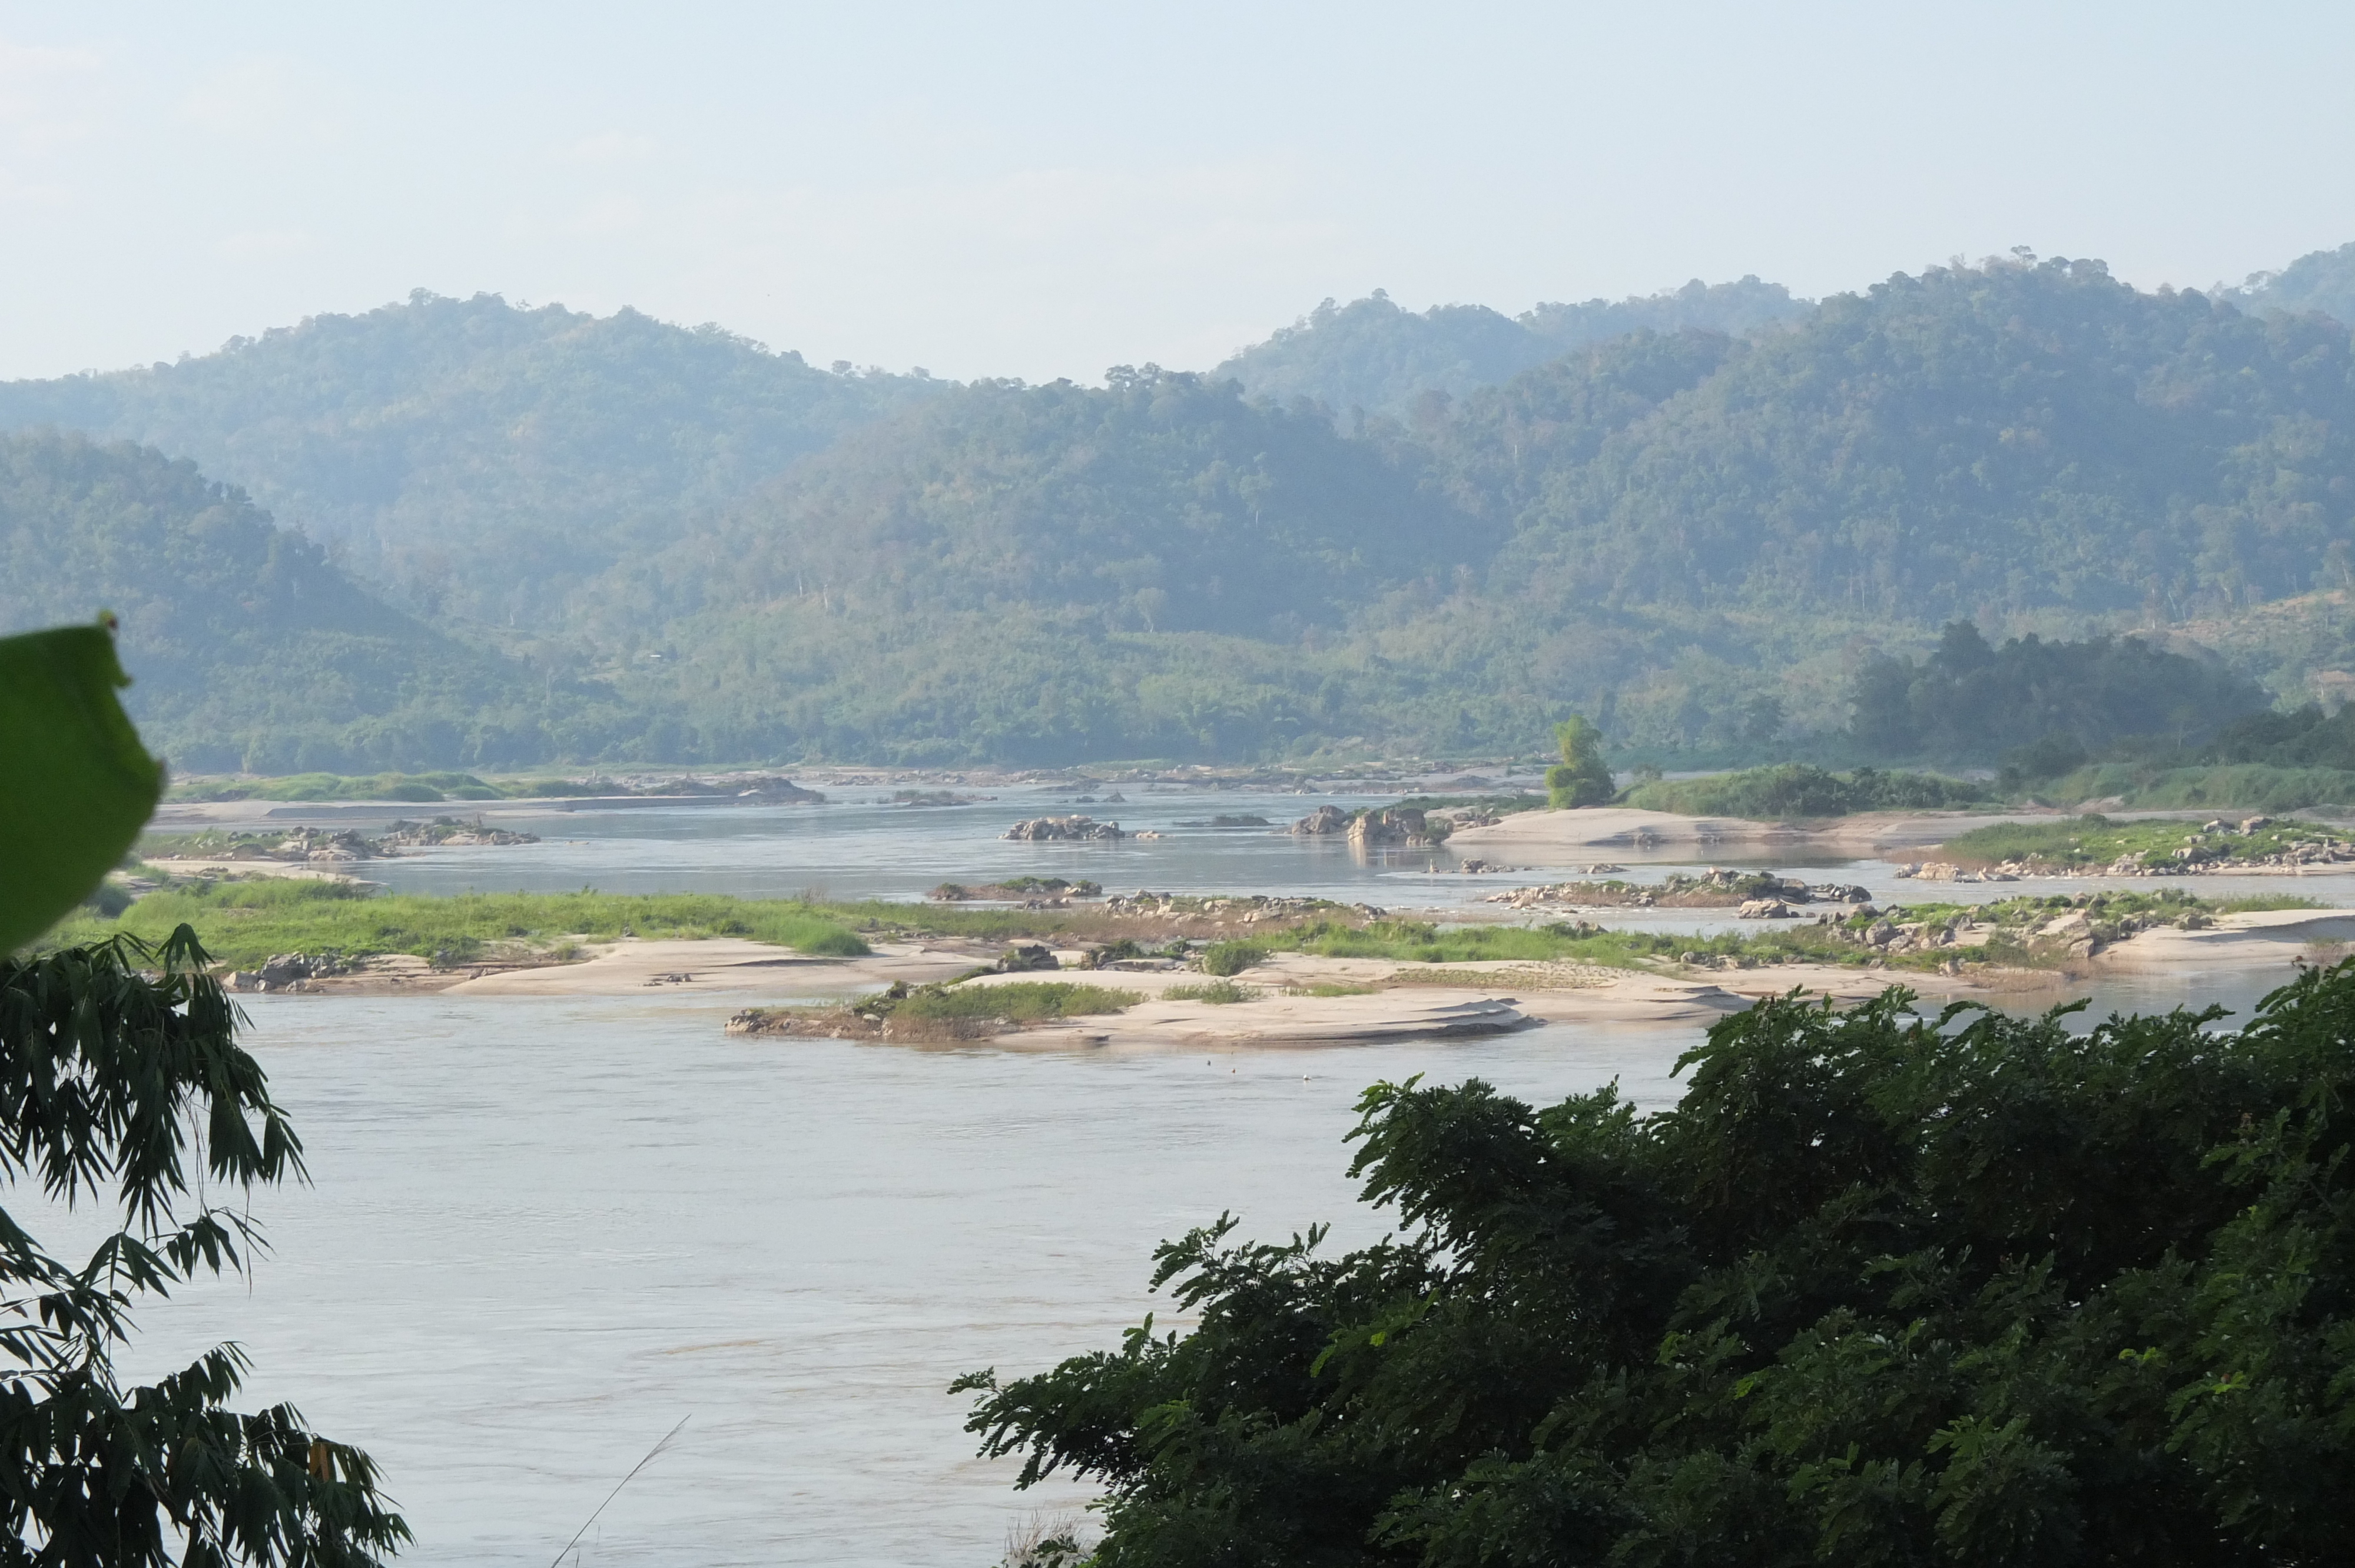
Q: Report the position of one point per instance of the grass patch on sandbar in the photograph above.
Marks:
(244, 922)
(2093, 840)
(1216, 993)
(1019, 1001)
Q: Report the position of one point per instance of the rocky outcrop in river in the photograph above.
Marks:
(1058, 830)
(1398, 827)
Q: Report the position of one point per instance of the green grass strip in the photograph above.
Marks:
(244, 922)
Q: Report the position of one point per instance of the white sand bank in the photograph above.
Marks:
(2271, 937)
(1619, 833)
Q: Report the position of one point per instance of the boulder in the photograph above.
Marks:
(1324, 820)
(1396, 825)
(1766, 909)
(1051, 830)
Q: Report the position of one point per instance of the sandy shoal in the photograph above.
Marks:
(1402, 1001)
(303, 870)
(717, 966)
(1550, 838)
(2274, 937)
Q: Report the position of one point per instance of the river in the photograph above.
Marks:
(542, 1233)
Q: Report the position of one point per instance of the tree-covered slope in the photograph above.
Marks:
(246, 646)
(1163, 502)
(1978, 441)
(1370, 355)
(475, 458)
(1701, 536)
(2319, 281)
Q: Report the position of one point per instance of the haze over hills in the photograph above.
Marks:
(476, 458)
(1664, 528)
(247, 648)
(2319, 281)
(1373, 357)
(1700, 535)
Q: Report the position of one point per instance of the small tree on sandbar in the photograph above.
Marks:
(1582, 778)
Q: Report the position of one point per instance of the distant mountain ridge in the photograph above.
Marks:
(710, 553)
(248, 648)
(476, 458)
(2319, 281)
(1691, 533)
(1372, 356)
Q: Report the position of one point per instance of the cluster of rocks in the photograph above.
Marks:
(754, 788)
(322, 846)
(448, 831)
(1063, 829)
(1883, 938)
(1779, 898)
(288, 971)
(933, 798)
(1947, 871)
(315, 845)
(2207, 850)
(1391, 827)
(1030, 892)
(1241, 910)
(1757, 895)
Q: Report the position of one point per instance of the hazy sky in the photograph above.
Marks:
(1042, 190)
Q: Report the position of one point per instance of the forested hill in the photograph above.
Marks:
(1700, 537)
(2319, 281)
(1164, 502)
(474, 458)
(1974, 441)
(1696, 535)
(1370, 355)
(1033, 574)
(245, 646)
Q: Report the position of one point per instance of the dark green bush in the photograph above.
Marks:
(1882, 1289)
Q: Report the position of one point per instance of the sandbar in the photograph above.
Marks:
(1376, 999)
(1621, 832)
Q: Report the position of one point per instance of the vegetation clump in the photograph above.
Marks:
(246, 922)
(2093, 840)
(416, 788)
(1216, 992)
(1969, 701)
(1796, 790)
(1582, 778)
(956, 1011)
(1016, 888)
(1016, 1002)
(125, 1086)
(1972, 1289)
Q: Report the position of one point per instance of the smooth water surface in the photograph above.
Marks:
(544, 1232)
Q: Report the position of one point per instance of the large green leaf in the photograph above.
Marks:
(76, 786)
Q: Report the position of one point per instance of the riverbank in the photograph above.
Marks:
(1566, 838)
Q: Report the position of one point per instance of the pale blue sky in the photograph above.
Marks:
(1041, 190)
